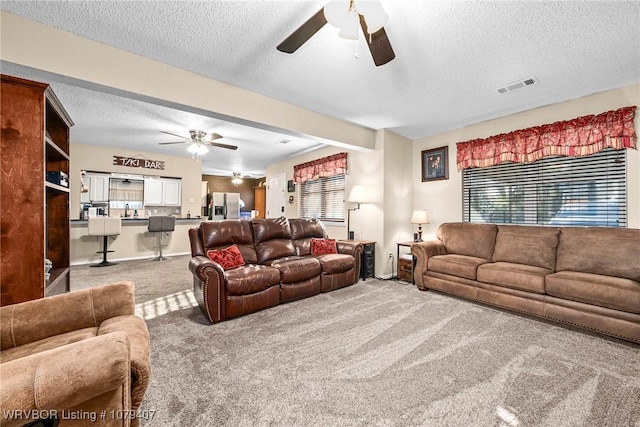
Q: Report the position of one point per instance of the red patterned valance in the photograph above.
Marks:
(578, 137)
(321, 168)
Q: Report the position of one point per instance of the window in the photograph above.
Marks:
(588, 191)
(323, 198)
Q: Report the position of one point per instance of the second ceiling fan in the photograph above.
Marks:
(349, 16)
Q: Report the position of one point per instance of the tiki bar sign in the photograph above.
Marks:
(133, 162)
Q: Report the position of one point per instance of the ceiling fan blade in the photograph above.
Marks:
(379, 44)
(175, 142)
(227, 146)
(214, 136)
(303, 33)
(179, 136)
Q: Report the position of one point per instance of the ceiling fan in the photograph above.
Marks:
(199, 141)
(348, 15)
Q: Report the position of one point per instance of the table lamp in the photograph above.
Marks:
(419, 217)
(357, 195)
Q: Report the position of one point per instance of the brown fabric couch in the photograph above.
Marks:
(278, 266)
(75, 355)
(583, 276)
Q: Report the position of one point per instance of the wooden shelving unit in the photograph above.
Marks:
(35, 212)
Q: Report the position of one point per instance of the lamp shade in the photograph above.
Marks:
(420, 217)
(358, 194)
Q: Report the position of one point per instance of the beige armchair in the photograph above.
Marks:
(79, 356)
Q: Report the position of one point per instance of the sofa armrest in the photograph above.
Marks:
(354, 249)
(38, 319)
(422, 251)
(64, 377)
(209, 287)
(349, 247)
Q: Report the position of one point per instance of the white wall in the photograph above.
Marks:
(443, 199)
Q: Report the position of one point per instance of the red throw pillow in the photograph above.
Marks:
(323, 246)
(227, 258)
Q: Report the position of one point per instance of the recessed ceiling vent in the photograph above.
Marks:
(521, 84)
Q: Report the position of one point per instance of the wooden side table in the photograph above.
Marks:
(404, 270)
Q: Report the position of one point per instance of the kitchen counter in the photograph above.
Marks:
(140, 220)
(133, 242)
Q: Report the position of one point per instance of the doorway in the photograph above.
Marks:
(275, 195)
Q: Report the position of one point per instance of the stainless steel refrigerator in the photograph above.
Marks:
(225, 205)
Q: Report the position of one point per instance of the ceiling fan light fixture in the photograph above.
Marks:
(374, 16)
(335, 12)
(237, 179)
(193, 148)
(351, 26)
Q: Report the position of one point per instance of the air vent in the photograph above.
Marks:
(512, 87)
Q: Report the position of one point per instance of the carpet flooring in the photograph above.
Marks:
(378, 353)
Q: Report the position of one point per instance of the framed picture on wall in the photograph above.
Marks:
(291, 186)
(435, 164)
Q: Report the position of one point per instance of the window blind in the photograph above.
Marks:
(323, 198)
(563, 191)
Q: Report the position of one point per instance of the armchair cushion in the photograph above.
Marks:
(66, 376)
(46, 317)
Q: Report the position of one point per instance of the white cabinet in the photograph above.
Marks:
(153, 192)
(162, 192)
(98, 189)
(171, 192)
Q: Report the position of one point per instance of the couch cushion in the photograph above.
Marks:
(605, 291)
(48, 344)
(228, 258)
(600, 250)
(296, 269)
(250, 279)
(272, 239)
(302, 231)
(336, 263)
(529, 245)
(456, 265)
(224, 233)
(463, 238)
(517, 276)
(323, 246)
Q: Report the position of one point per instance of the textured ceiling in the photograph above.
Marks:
(451, 57)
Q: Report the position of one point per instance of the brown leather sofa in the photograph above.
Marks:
(82, 356)
(279, 266)
(587, 277)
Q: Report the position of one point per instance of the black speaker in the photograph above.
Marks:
(368, 261)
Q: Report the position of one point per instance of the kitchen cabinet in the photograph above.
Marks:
(98, 189)
(171, 192)
(152, 192)
(162, 192)
(35, 212)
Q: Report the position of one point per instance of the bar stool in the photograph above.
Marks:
(161, 224)
(104, 226)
